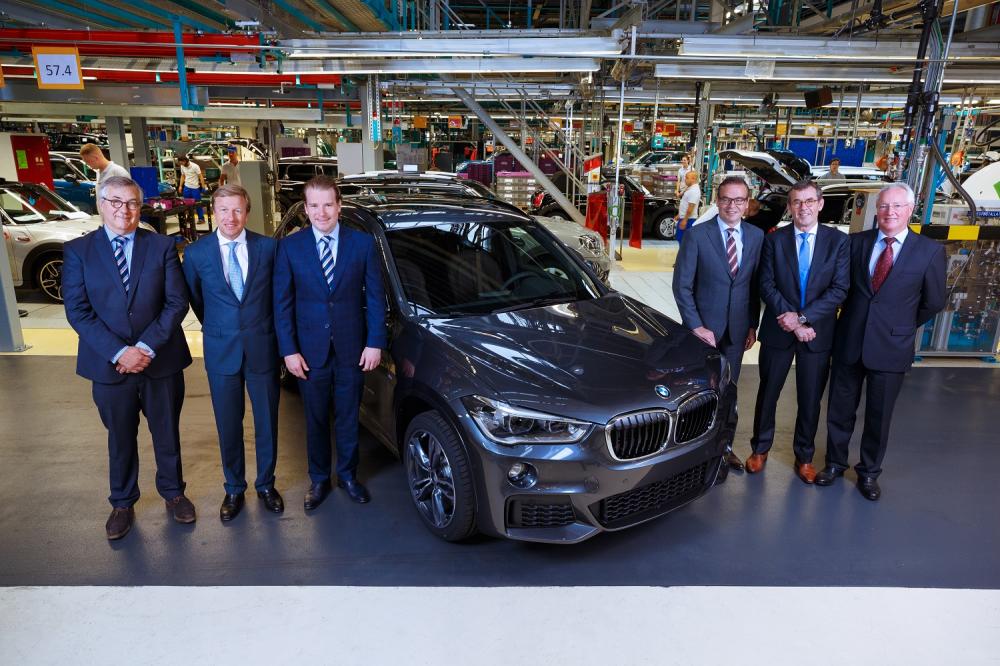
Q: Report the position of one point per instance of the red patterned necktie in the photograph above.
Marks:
(731, 252)
(883, 265)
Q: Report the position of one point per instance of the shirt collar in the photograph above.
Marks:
(112, 235)
(723, 226)
(811, 232)
(335, 234)
(224, 242)
(900, 237)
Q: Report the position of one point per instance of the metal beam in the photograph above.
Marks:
(827, 72)
(157, 113)
(338, 15)
(33, 15)
(268, 21)
(170, 16)
(105, 8)
(200, 9)
(299, 16)
(437, 44)
(458, 66)
(519, 154)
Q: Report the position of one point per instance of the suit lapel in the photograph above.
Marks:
(311, 250)
(715, 240)
(215, 250)
(102, 246)
(749, 247)
(343, 252)
(253, 259)
(866, 252)
(821, 253)
(138, 259)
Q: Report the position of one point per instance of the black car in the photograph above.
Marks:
(295, 172)
(526, 399)
(658, 212)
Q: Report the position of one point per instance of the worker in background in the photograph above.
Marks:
(687, 209)
(682, 174)
(230, 174)
(94, 157)
(192, 183)
(834, 172)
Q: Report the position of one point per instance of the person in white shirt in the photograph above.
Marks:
(687, 209)
(94, 157)
(682, 174)
(231, 169)
(192, 183)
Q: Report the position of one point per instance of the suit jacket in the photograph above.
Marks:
(826, 286)
(879, 329)
(310, 316)
(707, 295)
(107, 319)
(234, 330)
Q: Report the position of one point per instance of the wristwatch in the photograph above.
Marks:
(804, 320)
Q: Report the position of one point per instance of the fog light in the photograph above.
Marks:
(522, 475)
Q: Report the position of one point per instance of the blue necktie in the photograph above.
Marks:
(235, 274)
(326, 258)
(119, 242)
(803, 267)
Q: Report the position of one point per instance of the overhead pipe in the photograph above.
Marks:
(193, 78)
(137, 44)
(125, 15)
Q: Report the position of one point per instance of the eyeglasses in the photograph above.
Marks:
(808, 203)
(739, 201)
(117, 204)
(896, 207)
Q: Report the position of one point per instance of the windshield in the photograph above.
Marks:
(637, 185)
(477, 268)
(30, 206)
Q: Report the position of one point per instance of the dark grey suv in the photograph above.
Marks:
(526, 399)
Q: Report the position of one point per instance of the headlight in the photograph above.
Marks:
(592, 242)
(507, 424)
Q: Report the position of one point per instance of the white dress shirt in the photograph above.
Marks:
(242, 255)
(724, 230)
(880, 246)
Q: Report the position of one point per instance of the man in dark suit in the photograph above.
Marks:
(330, 316)
(125, 296)
(229, 276)
(715, 280)
(897, 284)
(804, 276)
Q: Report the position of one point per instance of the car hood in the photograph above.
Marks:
(588, 360)
(765, 166)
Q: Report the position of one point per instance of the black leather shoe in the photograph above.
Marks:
(316, 494)
(272, 500)
(119, 522)
(231, 506)
(734, 462)
(827, 476)
(868, 486)
(357, 492)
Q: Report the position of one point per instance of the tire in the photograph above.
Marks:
(665, 227)
(439, 477)
(48, 276)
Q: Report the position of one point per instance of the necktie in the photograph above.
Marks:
(883, 265)
(803, 268)
(235, 273)
(731, 252)
(119, 243)
(326, 258)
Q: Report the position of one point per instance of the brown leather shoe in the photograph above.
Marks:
(182, 509)
(119, 522)
(756, 462)
(734, 462)
(805, 471)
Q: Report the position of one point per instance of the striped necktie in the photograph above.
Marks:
(326, 258)
(734, 264)
(235, 273)
(119, 243)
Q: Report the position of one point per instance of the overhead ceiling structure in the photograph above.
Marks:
(309, 54)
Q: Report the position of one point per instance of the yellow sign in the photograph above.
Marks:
(57, 67)
(780, 128)
(454, 122)
(419, 122)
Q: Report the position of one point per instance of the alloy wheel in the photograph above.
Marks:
(430, 476)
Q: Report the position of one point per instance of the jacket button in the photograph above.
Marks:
(326, 326)
(129, 313)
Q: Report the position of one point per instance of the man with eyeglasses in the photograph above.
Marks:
(804, 276)
(715, 280)
(230, 276)
(125, 296)
(897, 284)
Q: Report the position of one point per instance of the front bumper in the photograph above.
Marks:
(580, 490)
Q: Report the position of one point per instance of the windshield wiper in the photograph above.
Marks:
(539, 302)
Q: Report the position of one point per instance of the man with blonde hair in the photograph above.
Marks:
(229, 274)
(93, 156)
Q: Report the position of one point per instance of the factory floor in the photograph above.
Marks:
(763, 569)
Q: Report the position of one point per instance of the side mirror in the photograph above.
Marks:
(70, 178)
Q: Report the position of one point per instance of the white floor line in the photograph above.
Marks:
(437, 626)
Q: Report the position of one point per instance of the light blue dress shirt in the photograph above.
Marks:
(880, 246)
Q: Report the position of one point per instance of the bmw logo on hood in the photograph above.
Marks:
(662, 391)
